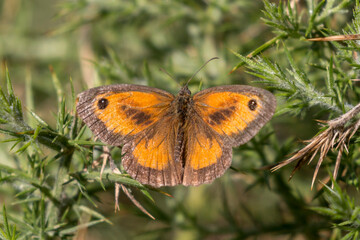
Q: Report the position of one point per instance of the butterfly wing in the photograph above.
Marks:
(139, 118)
(207, 157)
(235, 112)
(116, 113)
(150, 157)
(226, 116)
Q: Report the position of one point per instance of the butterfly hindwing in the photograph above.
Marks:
(206, 155)
(150, 157)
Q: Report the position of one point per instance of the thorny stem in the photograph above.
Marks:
(58, 190)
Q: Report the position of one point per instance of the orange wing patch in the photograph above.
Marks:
(203, 151)
(206, 156)
(149, 158)
(129, 112)
(152, 153)
(228, 112)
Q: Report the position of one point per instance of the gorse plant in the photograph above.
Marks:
(58, 182)
(301, 92)
(342, 210)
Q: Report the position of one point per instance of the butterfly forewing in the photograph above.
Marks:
(116, 113)
(235, 112)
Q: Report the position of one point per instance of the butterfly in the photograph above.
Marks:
(168, 140)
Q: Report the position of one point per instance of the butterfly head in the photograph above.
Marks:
(184, 91)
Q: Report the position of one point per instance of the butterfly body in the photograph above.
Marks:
(182, 103)
(169, 140)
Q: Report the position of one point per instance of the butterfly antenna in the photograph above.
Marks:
(200, 69)
(164, 71)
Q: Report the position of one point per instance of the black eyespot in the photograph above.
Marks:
(252, 104)
(103, 103)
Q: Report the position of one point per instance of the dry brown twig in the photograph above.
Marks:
(107, 156)
(336, 38)
(336, 136)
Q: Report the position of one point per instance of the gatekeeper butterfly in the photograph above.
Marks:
(169, 140)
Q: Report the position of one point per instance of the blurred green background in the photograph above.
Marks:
(96, 42)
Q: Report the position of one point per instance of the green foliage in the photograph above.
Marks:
(342, 210)
(9, 232)
(50, 166)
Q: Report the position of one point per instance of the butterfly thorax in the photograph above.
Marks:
(183, 102)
